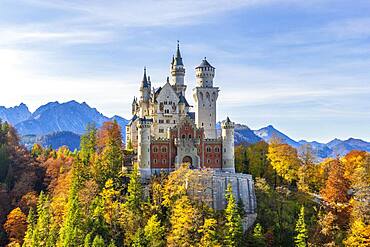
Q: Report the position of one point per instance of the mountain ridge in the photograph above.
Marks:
(52, 123)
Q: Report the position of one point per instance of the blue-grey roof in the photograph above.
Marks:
(144, 82)
(134, 117)
(191, 115)
(183, 100)
(205, 64)
(178, 58)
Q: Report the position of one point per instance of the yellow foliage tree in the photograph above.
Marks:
(284, 160)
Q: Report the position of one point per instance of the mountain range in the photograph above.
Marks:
(56, 124)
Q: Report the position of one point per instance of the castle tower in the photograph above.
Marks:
(144, 95)
(228, 162)
(143, 148)
(205, 96)
(178, 72)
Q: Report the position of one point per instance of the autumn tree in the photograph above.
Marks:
(209, 233)
(154, 232)
(284, 160)
(16, 225)
(336, 187)
(183, 221)
(233, 225)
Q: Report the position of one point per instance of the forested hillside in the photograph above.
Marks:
(84, 198)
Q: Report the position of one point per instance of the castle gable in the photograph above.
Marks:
(167, 94)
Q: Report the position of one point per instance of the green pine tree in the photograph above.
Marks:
(233, 225)
(301, 230)
(41, 232)
(258, 238)
(139, 239)
(88, 240)
(30, 228)
(98, 241)
(71, 231)
(135, 191)
(154, 232)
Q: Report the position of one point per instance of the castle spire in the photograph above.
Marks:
(178, 58)
(144, 82)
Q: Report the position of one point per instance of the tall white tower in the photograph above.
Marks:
(228, 162)
(178, 72)
(143, 148)
(205, 96)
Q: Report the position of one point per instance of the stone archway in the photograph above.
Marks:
(188, 160)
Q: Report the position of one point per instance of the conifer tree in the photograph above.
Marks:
(30, 228)
(88, 239)
(233, 225)
(98, 241)
(209, 233)
(301, 230)
(71, 231)
(135, 191)
(42, 228)
(258, 238)
(139, 239)
(154, 232)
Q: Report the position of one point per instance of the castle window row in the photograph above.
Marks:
(209, 149)
(163, 149)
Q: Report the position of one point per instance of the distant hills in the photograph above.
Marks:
(56, 124)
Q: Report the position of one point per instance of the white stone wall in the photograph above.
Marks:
(205, 109)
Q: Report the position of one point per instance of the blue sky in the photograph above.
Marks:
(302, 66)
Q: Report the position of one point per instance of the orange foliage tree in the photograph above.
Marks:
(337, 186)
(16, 225)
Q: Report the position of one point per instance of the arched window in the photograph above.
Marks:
(201, 96)
(208, 149)
(183, 136)
(208, 96)
(164, 149)
(217, 149)
(155, 149)
(189, 136)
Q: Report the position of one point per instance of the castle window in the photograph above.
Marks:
(224, 149)
(161, 130)
(155, 161)
(208, 149)
(168, 121)
(166, 111)
(202, 124)
(189, 136)
(161, 121)
(183, 136)
(217, 149)
(155, 149)
(217, 161)
(163, 161)
(174, 121)
(208, 161)
(164, 149)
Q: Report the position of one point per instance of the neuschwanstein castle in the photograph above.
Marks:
(165, 133)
